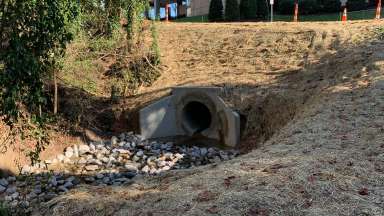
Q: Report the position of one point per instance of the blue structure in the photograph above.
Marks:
(176, 8)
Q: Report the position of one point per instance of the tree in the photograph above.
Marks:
(215, 11)
(330, 6)
(113, 10)
(262, 9)
(309, 7)
(232, 10)
(248, 9)
(34, 36)
(354, 5)
(134, 11)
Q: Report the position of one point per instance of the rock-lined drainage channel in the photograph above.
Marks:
(115, 162)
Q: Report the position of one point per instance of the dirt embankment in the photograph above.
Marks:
(267, 72)
(313, 97)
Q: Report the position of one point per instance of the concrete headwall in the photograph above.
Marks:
(192, 112)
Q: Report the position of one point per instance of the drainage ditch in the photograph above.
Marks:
(116, 162)
(123, 159)
(196, 116)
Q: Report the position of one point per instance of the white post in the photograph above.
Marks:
(155, 5)
(271, 2)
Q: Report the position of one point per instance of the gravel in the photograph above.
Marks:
(11, 190)
(4, 182)
(2, 189)
(113, 162)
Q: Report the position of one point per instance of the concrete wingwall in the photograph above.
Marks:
(201, 7)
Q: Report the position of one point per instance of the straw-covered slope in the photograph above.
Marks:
(313, 97)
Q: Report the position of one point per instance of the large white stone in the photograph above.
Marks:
(75, 150)
(2, 189)
(69, 152)
(4, 182)
(84, 149)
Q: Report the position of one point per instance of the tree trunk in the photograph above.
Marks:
(55, 102)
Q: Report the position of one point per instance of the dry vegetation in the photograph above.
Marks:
(313, 97)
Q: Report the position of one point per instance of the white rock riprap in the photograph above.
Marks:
(113, 162)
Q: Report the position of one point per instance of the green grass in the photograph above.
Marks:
(4, 210)
(353, 15)
(82, 67)
(81, 74)
(380, 33)
(203, 18)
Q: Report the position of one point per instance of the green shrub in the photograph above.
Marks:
(329, 6)
(100, 19)
(215, 11)
(380, 33)
(134, 10)
(155, 55)
(319, 6)
(30, 55)
(248, 9)
(262, 9)
(305, 7)
(308, 7)
(232, 10)
(354, 5)
(4, 210)
(285, 6)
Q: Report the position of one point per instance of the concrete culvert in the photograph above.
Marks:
(190, 111)
(196, 116)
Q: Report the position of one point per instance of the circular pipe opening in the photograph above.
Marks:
(196, 116)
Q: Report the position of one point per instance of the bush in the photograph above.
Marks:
(99, 20)
(134, 10)
(232, 10)
(329, 6)
(155, 55)
(4, 210)
(317, 6)
(380, 33)
(34, 36)
(354, 5)
(215, 11)
(305, 7)
(262, 9)
(308, 7)
(248, 9)
(285, 6)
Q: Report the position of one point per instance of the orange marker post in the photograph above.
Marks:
(296, 13)
(378, 10)
(344, 17)
(166, 12)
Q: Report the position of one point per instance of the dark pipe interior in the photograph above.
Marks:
(197, 116)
